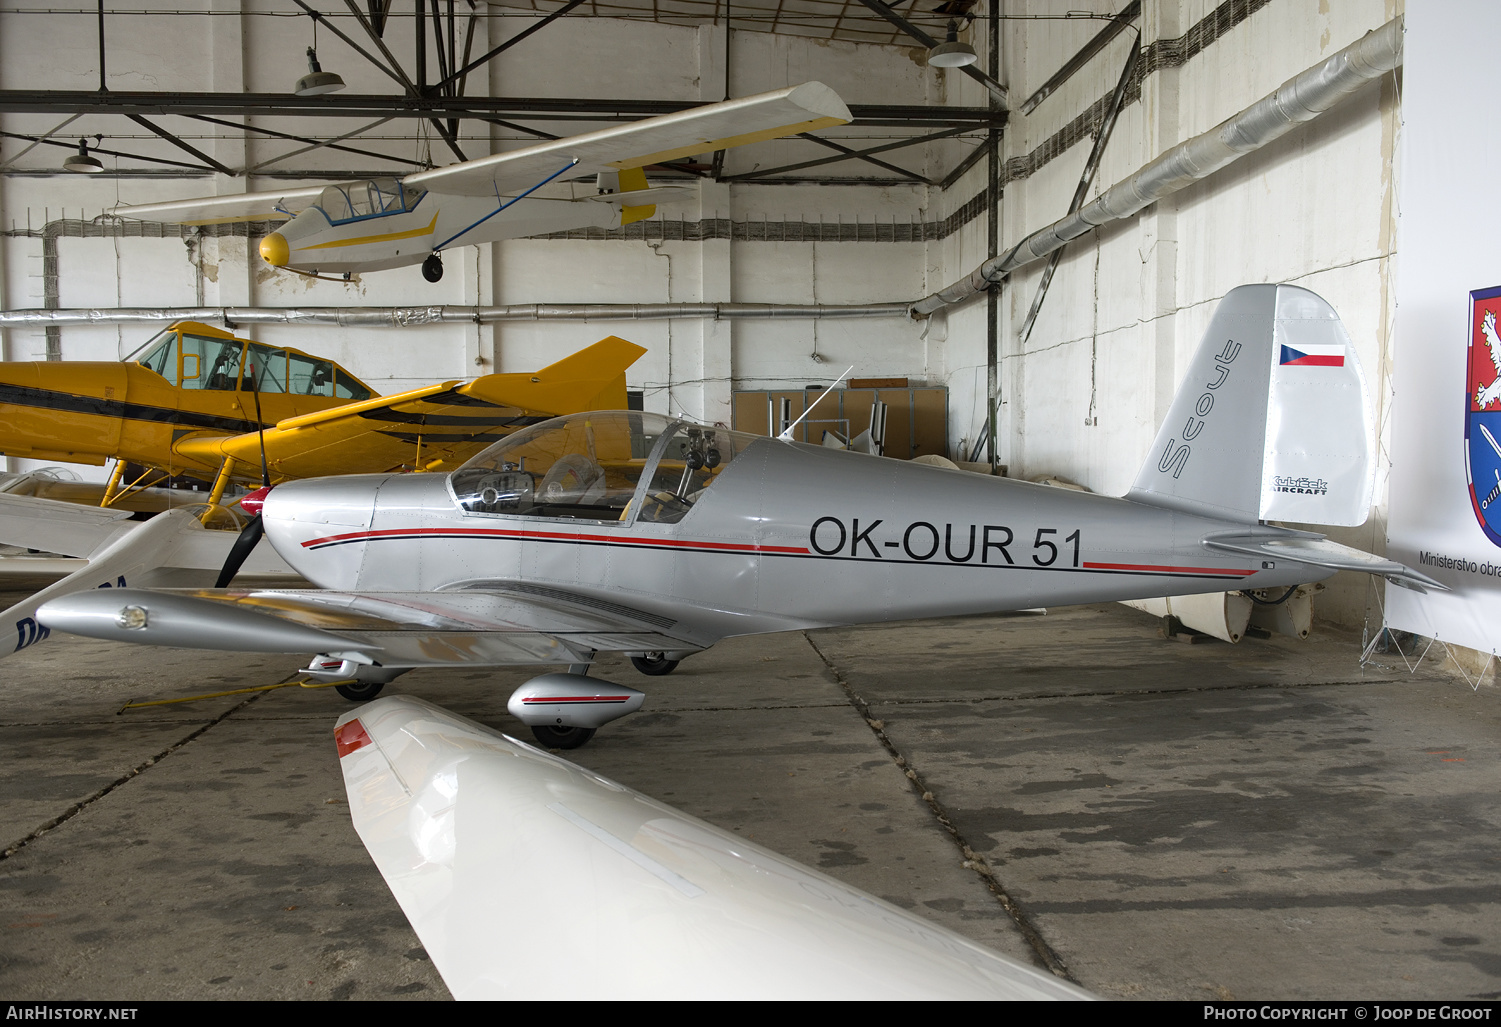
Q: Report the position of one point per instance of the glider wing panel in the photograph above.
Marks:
(218, 210)
(805, 108)
(477, 833)
(52, 526)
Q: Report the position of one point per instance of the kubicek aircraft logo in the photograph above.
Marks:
(1483, 421)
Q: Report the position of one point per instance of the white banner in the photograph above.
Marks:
(1445, 495)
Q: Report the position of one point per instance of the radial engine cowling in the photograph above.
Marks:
(572, 700)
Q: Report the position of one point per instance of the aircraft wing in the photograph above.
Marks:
(218, 210)
(437, 426)
(503, 624)
(507, 859)
(172, 548)
(805, 108)
(53, 526)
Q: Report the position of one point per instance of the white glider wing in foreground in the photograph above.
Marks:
(527, 877)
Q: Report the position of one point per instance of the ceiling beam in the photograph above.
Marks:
(849, 154)
(1117, 24)
(185, 147)
(996, 89)
(536, 26)
(337, 105)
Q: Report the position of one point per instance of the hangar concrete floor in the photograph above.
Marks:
(1157, 820)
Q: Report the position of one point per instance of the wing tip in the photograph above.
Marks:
(817, 98)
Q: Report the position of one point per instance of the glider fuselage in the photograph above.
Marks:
(315, 242)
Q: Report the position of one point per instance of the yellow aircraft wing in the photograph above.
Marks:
(805, 108)
(218, 210)
(432, 428)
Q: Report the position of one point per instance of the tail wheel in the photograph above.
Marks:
(360, 691)
(432, 268)
(562, 737)
(654, 664)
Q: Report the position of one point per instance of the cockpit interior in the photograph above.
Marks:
(615, 466)
(194, 356)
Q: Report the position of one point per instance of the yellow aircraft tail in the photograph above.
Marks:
(591, 379)
(631, 180)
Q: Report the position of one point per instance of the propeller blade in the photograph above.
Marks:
(240, 551)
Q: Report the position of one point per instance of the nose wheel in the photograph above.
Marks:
(562, 737)
(432, 268)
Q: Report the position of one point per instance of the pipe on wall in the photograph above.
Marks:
(1298, 100)
(408, 317)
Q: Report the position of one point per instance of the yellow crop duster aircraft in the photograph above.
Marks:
(384, 223)
(200, 402)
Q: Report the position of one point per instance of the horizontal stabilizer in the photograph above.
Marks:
(642, 197)
(483, 840)
(1321, 552)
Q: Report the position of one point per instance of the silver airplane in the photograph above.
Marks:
(631, 532)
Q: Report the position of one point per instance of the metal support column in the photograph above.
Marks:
(993, 236)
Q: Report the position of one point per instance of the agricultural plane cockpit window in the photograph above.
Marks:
(604, 466)
(160, 355)
(355, 201)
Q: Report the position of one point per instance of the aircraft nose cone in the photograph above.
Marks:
(275, 251)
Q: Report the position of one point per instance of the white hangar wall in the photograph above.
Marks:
(1084, 395)
(1120, 321)
(690, 364)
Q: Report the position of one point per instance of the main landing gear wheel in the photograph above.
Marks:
(432, 268)
(654, 664)
(360, 691)
(562, 737)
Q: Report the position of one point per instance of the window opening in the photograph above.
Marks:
(209, 363)
(591, 466)
(161, 356)
(356, 201)
(268, 369)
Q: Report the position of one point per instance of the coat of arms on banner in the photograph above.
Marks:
(1483, 421)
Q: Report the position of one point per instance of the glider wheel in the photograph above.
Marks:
(432, 268)
(562, 737)
(360, 691)
(654, 664)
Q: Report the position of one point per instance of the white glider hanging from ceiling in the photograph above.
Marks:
(375, 224)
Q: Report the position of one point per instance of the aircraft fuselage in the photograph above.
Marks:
(789, 536)
(88, 412)
(313, 242)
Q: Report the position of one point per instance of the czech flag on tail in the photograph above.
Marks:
(1313, 355)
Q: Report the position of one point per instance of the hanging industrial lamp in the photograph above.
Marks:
(82, 162)
(951, 53)
(317, 81)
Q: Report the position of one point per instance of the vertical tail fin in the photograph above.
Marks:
(634, 180)
(1272, 421)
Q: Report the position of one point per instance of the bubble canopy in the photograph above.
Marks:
(615, 466)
